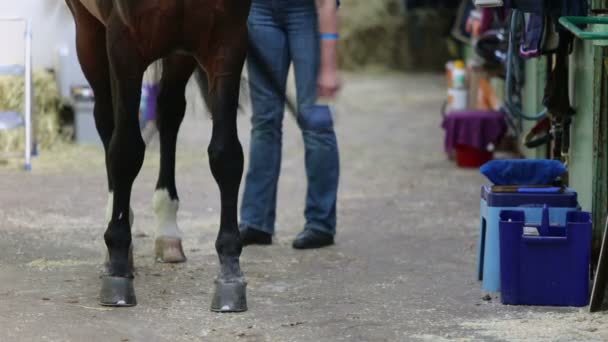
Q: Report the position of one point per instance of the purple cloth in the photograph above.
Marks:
(475, 128)
(150, 109)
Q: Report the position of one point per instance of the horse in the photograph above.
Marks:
(116, 41)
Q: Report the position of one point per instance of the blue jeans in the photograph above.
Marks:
(286, 31)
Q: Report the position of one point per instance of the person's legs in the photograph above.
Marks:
(322, 160)
(259, 199)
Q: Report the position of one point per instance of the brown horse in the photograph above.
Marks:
(116, 41)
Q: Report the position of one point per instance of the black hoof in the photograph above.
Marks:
(229, 296)
(117, 291)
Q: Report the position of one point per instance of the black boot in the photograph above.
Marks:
(310, 238)
(251, 236)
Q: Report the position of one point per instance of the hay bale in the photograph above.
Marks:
(371, 33)
(45, 110)
(381, 34)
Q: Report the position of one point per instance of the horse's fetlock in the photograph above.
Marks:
(229, 246)
(118, 235)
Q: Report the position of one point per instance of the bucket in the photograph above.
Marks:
(471, 157)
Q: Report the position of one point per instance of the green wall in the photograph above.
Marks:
(532, 101)
(582, 68)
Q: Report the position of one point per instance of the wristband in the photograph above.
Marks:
(330, 36)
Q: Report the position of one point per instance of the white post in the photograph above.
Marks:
(28, 95)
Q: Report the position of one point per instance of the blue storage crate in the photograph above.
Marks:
(492, 203)
(551, 268)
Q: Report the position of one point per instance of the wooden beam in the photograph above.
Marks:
(600, 150)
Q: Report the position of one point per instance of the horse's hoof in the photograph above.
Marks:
(169, 250)
(229, 296)
(117, 291)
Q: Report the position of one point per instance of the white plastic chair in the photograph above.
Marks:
(13, 120)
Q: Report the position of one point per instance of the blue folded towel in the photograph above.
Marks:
(523, 171)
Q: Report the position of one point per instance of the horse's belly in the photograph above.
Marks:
(91, 5)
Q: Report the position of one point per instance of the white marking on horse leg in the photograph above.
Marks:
(168, 242)
(109, 207)
(166, 215)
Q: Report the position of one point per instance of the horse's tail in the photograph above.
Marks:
(203, 84)
(255, 57)
(123, 8)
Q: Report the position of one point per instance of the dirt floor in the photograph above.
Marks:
(403, 268)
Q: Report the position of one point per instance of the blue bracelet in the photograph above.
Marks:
(330, 36)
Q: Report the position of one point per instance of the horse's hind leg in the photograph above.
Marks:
(93, 58)
(226, 160)
(125, 158)
(177, 70)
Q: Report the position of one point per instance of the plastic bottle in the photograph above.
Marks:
(459, 75)
(458, 92)
(449, 69)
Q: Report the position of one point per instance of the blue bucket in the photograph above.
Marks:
(545, 264)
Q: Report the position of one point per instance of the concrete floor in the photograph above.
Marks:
(403, 268)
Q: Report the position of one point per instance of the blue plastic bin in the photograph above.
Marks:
(551, 268)
(492, 203)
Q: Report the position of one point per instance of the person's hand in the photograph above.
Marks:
(328, 83)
